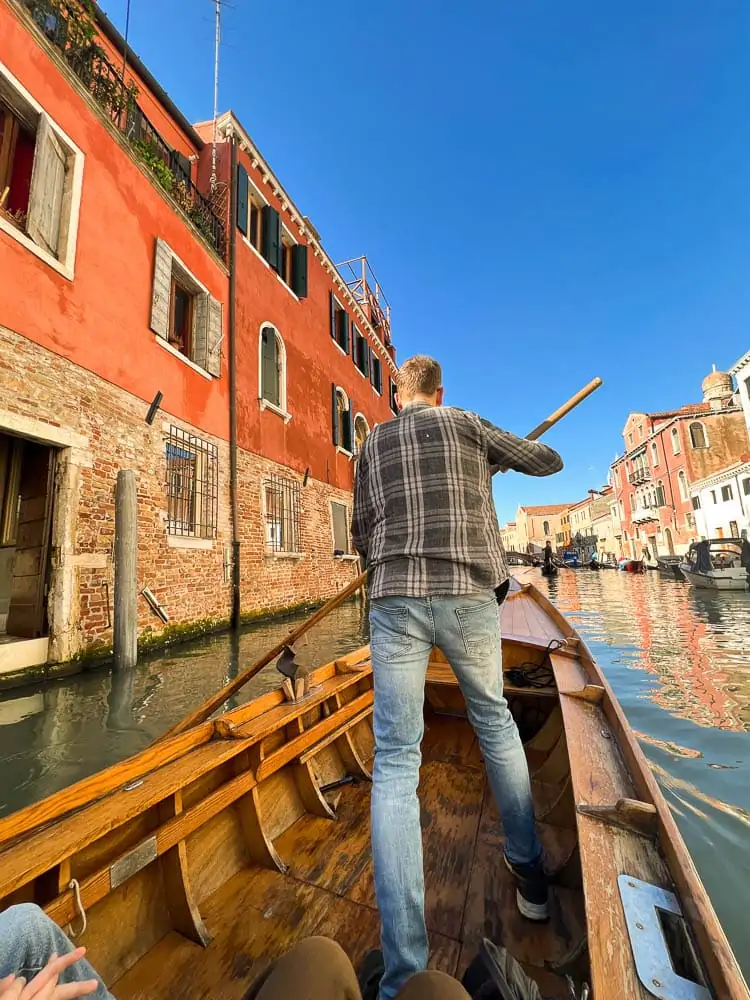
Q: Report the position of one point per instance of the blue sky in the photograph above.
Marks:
(548, 191)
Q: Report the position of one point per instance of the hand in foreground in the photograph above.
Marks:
(44, 985)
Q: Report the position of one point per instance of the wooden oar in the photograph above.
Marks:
(216, 701)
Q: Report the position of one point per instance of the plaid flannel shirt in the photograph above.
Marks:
(424, 519)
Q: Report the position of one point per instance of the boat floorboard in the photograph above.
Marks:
(259, 913)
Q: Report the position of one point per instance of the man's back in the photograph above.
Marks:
(423, 510)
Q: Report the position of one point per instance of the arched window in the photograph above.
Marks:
(272, 370)
(661, 500)
(675, 441)
(342, 419)
(632, 501)
(698, 436)
(654, 453)
(361, 430)
(682, 484)
(545, 527)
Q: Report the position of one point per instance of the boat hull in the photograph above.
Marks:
(717, 579)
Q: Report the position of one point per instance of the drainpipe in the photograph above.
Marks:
(235, 616)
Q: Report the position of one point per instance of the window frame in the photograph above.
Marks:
(339, 310)
(746, 486)
(341, 446)
(682, 486)
(361, 417)
(296, 513)
(693, 445)
(205, 475)
(266, 404)
(349, 553)
(654, 454)
(64, 261)
(729, 491)
(675, 437)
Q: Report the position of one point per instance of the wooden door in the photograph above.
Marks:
(27, 612)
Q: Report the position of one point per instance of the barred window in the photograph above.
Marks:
(281, 510)
(192, 485)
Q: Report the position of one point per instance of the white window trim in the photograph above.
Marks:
(682, 478)
(339, 447)
(183, 357)
(264, 403)
(269, 553)
(64, 264)
(341, 503)
(705, 436)
(654, 454)
(674, 435)
(359, 416)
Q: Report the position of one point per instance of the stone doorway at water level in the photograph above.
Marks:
(27, 474)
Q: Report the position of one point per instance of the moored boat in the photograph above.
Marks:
(716, 564)
(631, 565)
(670, 566)
(197, 862)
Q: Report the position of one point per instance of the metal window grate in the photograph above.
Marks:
(282, 514)
(192, 485)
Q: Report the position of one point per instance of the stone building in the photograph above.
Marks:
(227, 361)
(535, 526)
(665, 454)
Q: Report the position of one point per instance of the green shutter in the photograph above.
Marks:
(269, 367)
(272, 237)
(333, 314)
(242, 198)
(345, 345)
(365, 357)
(299, 270)
(355, 345)
(347, 428)
(334, 412)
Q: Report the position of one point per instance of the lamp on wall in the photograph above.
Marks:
(153, 409)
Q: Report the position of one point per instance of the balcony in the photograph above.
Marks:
(642, 514)
(639, 475)
(69, 26)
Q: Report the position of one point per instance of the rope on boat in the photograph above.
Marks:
(535, 675)
(74, 885)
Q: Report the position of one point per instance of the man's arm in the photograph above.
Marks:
(360, 520)
(506, 451)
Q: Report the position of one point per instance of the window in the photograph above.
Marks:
(630, 439)
(545, 527)
(392, 394)
(342, 420)
(361, 352)
(661, 500)
(281, 513)
(41, 174)
(713, 496)
(272, 377)
(654, 453)
(689, 520)
(183, 314)
(293, 264)
(696, 503)
(698, 437)
(675, 435)
(746, 487)
(632, 501)
(376, 372)
(361, 430)
(339, 324)
(727, 493)
(682, 485)
(250, 205)
(192, 467)
(734, 531)
(340, 525)
(11, 450)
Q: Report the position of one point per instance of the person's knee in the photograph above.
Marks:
(26, 919)
(321, 949)
(432, 985)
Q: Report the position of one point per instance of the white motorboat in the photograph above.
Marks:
(718, 564)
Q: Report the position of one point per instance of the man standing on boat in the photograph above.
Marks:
(425, 522)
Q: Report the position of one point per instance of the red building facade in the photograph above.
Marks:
(665, 454)
(124, 282)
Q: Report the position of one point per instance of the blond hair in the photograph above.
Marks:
(420, 375)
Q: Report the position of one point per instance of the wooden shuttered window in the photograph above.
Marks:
(339, 324)
(243, 188)
(335, 414)
(270, 383)
(332, 302)
(341, 419)
(348, 442)
(361, 352)
(271, 247)
(299, 270)
(162, 290)
(392, 394)
(376, 372)
(215, 337)
(47, 187)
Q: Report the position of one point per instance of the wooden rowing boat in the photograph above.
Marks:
(203, 858)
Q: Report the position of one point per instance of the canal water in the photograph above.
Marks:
(678, 659)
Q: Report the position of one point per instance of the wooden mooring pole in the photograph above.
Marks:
(126, 571)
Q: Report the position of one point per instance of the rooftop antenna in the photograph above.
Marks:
(217, 45)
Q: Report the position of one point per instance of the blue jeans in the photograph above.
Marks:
(403, 631)
(27, 939)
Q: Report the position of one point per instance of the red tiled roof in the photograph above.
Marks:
(684, 411)
(554, 508)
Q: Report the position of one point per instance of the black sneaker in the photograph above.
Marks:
(532, 895)
(369, 974)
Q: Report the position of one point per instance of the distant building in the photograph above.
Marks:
(535, 526)
(665, 454)
(722, 503)
(509, 537)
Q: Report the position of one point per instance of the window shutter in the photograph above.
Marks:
(347, 428)
(242, 199)
(365, 357)
(335, 412)
(333, 314)
(272, 237)
(215, 337)
(345, 345)
(299, 270)
(47, 187)
(269, 367)
(162, 289)
(199, 353)
(355, 345)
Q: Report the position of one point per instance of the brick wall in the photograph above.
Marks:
(101, 429)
